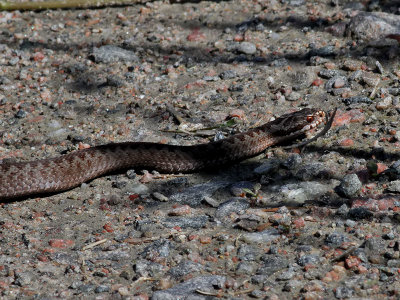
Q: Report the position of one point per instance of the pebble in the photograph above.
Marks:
(160, 197)
(370, 79)
(269, 166)
(235, 205)
(373, 25)
(186, 222)
(308, 259)
(185, 268)
(265, 236)
(394, 186)
(336, 239)
(293, 161)
(349, 186)
(110, 53)
(194, 195)
(137, 188)
(189, 287)
(247, 48)
(299, 193)
(356, 99)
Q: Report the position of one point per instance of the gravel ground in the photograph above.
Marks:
(321, 223)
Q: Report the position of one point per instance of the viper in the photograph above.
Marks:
(21, 179)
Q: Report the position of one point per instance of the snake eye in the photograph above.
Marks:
(310, 119)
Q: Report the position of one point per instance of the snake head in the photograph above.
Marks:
(297, 123)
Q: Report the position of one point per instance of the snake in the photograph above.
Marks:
(53, 175)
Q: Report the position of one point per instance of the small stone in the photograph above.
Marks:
(339, 83)
(265, 236)
(294, 96)
(343, 292)
(394, 186)
(370, 79)
(20, 114)
(247, 48)
(102, 289)
(267, 167)
(137, 188)
(384, 104)
(359, 213)
(109, 53)
(336, 239)
(228, 74)
(349, 186)
(293, 161)
(350, 223)
(160, 197)
(245, 268)
(308, 259)
(235, 205)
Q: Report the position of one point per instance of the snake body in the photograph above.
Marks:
(23, 179)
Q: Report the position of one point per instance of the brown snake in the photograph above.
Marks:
(65, 172)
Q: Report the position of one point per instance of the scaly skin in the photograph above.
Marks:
(68, 171)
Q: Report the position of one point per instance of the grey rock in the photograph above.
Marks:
(394, 186)
(109, 53)
(115, 255)
(350, 223)
(160, 248)
(145, 268)
(184, 268)
(373, 25)
(269, 166)
(349, 186)
(329, 85)
(248, 253)
(287, 275)
(194, 195)
(247, 48)
(21, 114)
(272, 264)
(189, 287)
(236, 205)
(228, 74)
(265, 236)
(186, 222)
(393, 263)
(257, 294)
(336, 239)
(375, 245)
(87, 288)
(22, 279)
(299, 193)
(359, 213)
(239, 188)
(293, 161)
(356, 99)
(301, 79)
(308, 259)
(279, 63)
(245, 268)
(293, 96)
(342, 292)
(292, 285)
(102, 289)
(313, 170)
(137, 188)
(324, 73)
(342, 210)
(323, 51)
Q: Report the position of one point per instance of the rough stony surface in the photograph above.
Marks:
(320, 222)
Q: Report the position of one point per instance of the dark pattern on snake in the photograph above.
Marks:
(65, 172)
